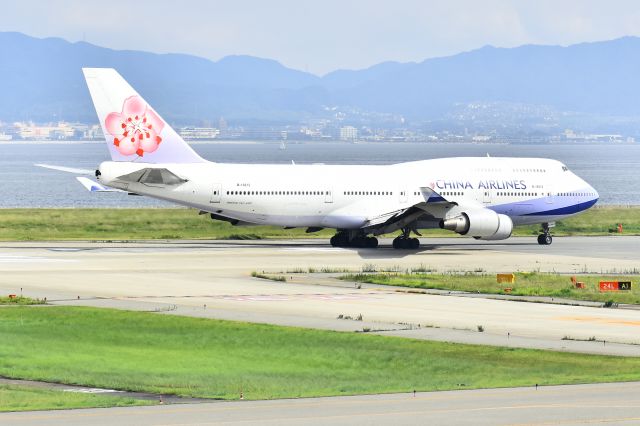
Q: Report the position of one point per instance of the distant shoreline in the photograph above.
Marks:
(274, 142)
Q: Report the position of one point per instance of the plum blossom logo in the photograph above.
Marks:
(135, 130)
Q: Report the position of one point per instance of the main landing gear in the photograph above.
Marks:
(545, 238)
(360, 240)
(404, 241)
(343, 239)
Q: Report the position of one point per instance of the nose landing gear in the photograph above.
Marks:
(545, 238)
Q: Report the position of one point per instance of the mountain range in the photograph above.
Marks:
(41, 80)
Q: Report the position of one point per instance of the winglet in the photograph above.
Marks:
(431, 196)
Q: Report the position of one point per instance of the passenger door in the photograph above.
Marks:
(403, 196)
(328, 196)
(550, 194)
(216, 193)
(486, 196)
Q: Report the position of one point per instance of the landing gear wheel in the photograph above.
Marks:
(545, 239)
(372, 242)
(341, 239)
(414, 243)
(406, 243)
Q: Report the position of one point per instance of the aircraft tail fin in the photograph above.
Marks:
(133, 130)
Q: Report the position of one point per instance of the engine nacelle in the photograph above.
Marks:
(481, 224)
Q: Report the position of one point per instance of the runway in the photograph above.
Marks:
(606, 404)
(213, 279)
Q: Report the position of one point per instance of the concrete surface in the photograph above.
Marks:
(212, 279)
(602, 404)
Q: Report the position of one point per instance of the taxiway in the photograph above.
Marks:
(213, 279)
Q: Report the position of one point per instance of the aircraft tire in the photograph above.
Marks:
(372, 242)
(414, 243)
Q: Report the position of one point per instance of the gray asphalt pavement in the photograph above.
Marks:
(602, 404)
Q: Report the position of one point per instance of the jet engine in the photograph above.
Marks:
(482, 224)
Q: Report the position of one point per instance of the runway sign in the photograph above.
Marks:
(506, 278)
(615, 285)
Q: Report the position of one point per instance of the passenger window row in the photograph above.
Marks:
(277, 192)
(517, 194)
(530, 170)
(576, 194)
(368, 193)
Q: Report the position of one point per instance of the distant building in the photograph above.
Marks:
(56, 132)
(94, 132)
(223, 126)
(199, 133)
(571, 136)
(348, 133)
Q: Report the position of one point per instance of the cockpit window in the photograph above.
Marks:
(565, 168)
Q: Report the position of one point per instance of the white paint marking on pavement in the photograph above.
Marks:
(92, 390)
(10, 258)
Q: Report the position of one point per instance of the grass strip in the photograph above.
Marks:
(219, 359)
(179, 223)
(526, 284)
(27, 398)
(20, 300)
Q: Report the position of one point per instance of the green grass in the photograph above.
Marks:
(601, 220)
(27, 398)
(20, 300)
(279, 278)
(127, 224)
(526, 284)
(177, 223)
(218, 359)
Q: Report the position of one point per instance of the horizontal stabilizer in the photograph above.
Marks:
(93, 186)
(67, 169)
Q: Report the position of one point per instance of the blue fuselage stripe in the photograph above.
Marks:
(571, 209)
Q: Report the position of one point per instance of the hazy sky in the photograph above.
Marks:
(322, 35)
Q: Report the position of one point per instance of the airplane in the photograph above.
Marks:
(479, 197)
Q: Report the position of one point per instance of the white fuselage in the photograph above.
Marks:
(528, 190)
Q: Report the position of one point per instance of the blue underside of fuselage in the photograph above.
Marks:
(558, 206)
(543, 207)
(562, 211)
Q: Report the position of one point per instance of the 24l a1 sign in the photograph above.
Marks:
(615, 285)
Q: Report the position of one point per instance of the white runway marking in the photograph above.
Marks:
(9, 258)
(313, 249)
(93, 390)
(287, 297)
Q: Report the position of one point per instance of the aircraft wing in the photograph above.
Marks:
(431, 199)
(429, 211)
